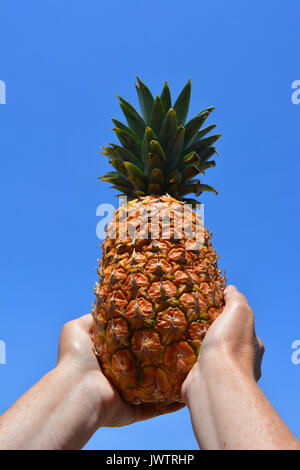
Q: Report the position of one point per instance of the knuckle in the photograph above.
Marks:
(243, 308)
(248, 312)
(68, 326)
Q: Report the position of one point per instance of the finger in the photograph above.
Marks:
(233, 296)
(229, 289)
(172, 408)
(151, 411)
(86, 322)
(261, 346)
(259, 352)
(257, 374)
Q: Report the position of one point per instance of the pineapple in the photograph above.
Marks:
(156, 297)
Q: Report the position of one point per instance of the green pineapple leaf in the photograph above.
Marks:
(190, 171)
(207, 187)
(204, 143)
(146, 100)
(182, 103)
(134, 120)
(206, 154)
(157, 149)
(156, 176)
(148, 137)
(174, 190)
(185, 159)
(152, 161)
(131, 109)
(166, 97)
(119, 166)
(120, 125)
(115, 178)
(121, 154)
(206, 165)
(194, 125)
(196, 189)
(140, 193)
(174, 177)
(168, 128)
(157, 115)
(191, 202)
(204, 131)
(191, 157)
(128, 141)
(153, 188)
(158, 152)
(108, 175)
(134, 171)
(123, 189)
(174, 147)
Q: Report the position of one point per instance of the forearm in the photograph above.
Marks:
(229, 411)
(54, 414)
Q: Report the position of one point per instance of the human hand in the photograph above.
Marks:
(233, 335)
(221, 390)
(231, 339)
(76, 353)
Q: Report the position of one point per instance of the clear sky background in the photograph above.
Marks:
(62, 62)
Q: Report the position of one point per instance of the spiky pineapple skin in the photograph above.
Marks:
(154, 304)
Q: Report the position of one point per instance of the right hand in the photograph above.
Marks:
(231, 338)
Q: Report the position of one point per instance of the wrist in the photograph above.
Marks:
(92, 391)
(210, 369)
(78, 393)
(223, 359)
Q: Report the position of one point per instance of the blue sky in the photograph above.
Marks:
(62, 62)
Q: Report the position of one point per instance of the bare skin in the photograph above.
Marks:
(66, 407)
(228, 409)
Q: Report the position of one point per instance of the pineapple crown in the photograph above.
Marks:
(159, 153)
